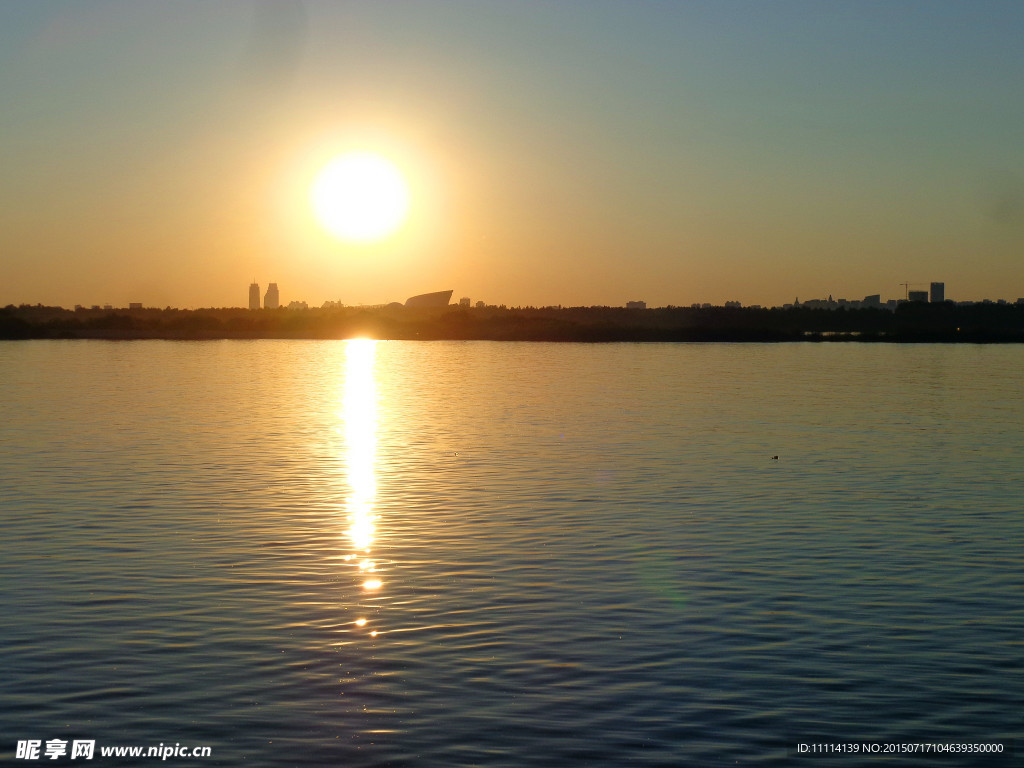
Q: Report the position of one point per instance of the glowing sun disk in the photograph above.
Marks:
(360, 197)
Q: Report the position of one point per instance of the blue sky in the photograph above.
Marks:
(557, 152)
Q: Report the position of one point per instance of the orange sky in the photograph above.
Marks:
(675, 153)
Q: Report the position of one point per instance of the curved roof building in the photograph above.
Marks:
(436, 299)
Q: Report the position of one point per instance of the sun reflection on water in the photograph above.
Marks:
(359, 410)
(359, 414)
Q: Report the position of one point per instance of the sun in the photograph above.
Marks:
(360, 196)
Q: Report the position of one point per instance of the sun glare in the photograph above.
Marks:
(360, 197)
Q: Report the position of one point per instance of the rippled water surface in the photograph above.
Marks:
(499, 554)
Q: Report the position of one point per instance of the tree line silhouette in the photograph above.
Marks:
(910, 322)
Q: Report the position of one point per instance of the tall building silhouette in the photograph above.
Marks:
(254, 296)
(271, 300)
(938, 292)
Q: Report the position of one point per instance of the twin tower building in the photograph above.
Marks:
(270, 301)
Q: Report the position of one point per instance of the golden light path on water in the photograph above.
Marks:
(359, 414)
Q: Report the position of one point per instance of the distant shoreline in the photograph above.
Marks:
(910, 323)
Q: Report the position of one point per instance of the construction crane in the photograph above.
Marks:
(906, 287)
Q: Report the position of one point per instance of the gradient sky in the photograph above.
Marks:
(558, 152)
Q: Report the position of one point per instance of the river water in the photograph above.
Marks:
(330, 553)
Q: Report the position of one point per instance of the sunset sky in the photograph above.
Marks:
(555, 152)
